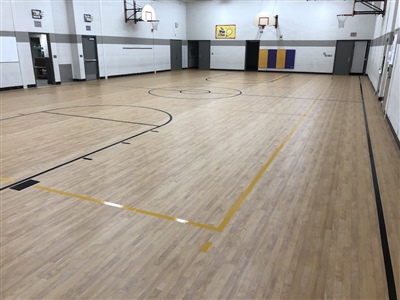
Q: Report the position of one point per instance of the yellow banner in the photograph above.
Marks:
(225, 31)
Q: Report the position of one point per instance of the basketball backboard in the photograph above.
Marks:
(148, 13)
(265, 18)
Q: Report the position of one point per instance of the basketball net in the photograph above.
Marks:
(341, 20)
(154, 24)
(261, 28)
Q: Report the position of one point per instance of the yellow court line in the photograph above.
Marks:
(206, 246)
(7, 179)
(233, 210)
(129, 208)
(227, 218)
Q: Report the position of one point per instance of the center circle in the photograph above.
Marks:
(194, 91)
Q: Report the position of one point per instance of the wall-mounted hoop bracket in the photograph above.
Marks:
(132, 11)
(372, 5)
(136, 13)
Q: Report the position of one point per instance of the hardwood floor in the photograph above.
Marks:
(197, 185)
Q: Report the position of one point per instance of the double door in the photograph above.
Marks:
(350, 57)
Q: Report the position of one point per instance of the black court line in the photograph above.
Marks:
(208, 78)
(194, 89)
(249, 81)
(96, 118)
(179, 89)
(381, 218)
(96, 151)
(279, 78)
(303, 98)
(15, 117)
(19, 116)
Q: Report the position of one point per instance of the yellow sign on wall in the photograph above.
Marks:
(225, 31)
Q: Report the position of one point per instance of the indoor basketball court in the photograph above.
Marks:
(193, 183)
(188, 171)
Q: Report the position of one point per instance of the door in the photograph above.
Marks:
(90, 57)
(252, 52)
(176, 54)
(204, 55)
(193, 54)
(388, 71)
(383, 70)
(359, 57)
(343, 57)
(42, 58)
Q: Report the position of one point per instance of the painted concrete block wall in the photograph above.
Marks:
(385, 28)
(6, 21)
(374, 64)
(392, 108)
(22, 16)
(25, 63)
(16, 18)
(307, 21)
(185, 56)
(108, 21)
(64, 19)
(10, 73)
(224, 56)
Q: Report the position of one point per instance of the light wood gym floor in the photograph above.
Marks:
(197, 185)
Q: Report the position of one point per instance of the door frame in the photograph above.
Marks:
(365, 58)
(245, 55)
(352, 55)
(97, 56)
(209, 54)
(181, 53)
(190, 46)
(384, 67)
(49, 62)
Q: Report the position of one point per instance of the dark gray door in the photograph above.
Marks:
(90, 57)
(204, 55)
(193, 54)
(343, 57)
(176, 55)
(252, 51)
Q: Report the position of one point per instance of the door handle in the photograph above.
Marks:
(90, 60)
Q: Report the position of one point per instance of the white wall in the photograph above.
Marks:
(386, 88)
(64, 18)
(10, 72)
(307, 21)
(392, 108)
(298, 21)
(227, 57)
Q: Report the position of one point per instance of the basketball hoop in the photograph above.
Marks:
(263, 19)
(342, 19)
(154, 24)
